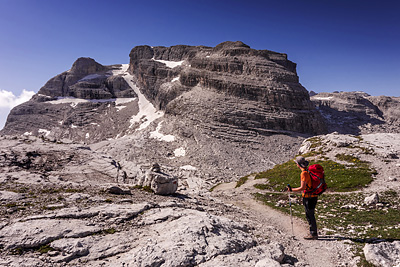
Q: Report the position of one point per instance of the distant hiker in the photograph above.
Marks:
(309, 199)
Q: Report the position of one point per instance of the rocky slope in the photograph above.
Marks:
(61, 207)
(358, 112)
(213, 112)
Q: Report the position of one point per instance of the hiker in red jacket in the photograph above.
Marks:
(309, 199)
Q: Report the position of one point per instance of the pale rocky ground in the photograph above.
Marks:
(67, 208)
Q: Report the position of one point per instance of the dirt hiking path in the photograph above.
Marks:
(276, 226)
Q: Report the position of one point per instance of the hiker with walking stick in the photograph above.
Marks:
(309, 197)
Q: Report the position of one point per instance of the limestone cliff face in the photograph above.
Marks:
(231, 84)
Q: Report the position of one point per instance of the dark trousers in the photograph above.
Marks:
(309, 205)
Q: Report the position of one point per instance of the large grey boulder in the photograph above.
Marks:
(161, 183)
(383, 254)
(372, 199)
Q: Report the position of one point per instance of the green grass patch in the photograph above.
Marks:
(109, 231)
(351, 159)
(11, 205)
(315, 142)
(339, 177)
(44, 249)
(215, 186)
(242, 181)
(146, 188)
(345, 215)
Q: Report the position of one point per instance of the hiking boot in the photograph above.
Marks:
(311, 237)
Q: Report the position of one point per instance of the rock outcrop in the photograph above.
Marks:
(358, 112)
(230, 84)
(383, 254)
(87, 79)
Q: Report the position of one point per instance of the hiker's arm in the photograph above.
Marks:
(301, 188)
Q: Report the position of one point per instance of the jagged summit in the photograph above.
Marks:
(86, 66)
(231, 44)
(87, 79)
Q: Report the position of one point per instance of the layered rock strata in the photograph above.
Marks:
(358, 112)
(230, 84)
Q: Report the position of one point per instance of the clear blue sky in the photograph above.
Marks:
(340, 45)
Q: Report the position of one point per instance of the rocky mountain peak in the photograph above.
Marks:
(182, 79)
(86, 66)
(231, 44)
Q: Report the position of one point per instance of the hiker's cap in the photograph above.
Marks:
(301, 161)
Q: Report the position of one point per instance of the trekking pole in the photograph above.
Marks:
(290, 205)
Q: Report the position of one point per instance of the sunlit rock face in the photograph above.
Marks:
(230, 85)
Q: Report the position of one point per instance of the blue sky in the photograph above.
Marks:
(339, 45)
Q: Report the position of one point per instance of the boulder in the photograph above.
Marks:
(161, 183)
(10, 196)
(117, 191)
(383, 254)
(371, 200)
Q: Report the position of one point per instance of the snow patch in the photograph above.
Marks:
(75, 101)
(73, 126)
(27, 133)
(44, 131)
(175, 79)
(322, 98)
(162, 137)
(87, 135)
(46, 96)
(147, 112)
(170, 64)
(90, 77)
(121, 101)
(180, 152)
(188, 168)
(120, 107)
(67, 100)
